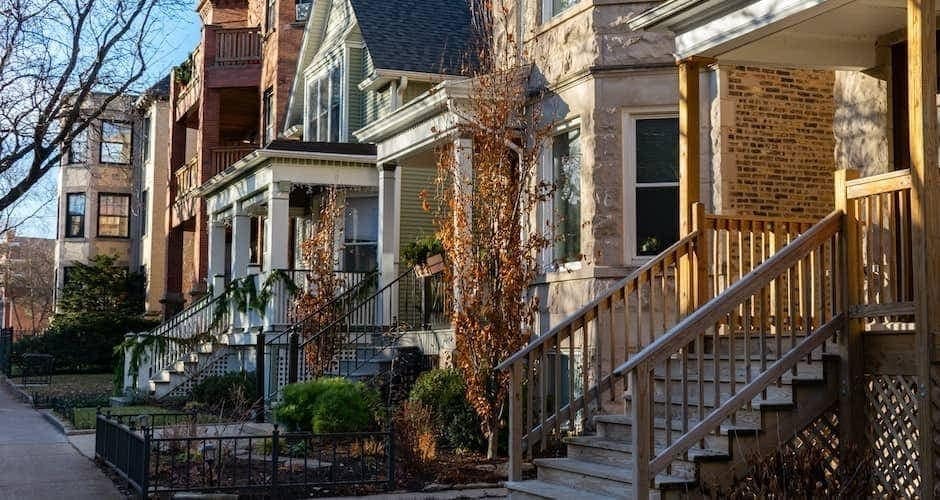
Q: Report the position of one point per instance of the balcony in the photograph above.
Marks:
(224, 156)
(187, 177)
(227, 57)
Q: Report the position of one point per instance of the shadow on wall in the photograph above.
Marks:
(860, 124)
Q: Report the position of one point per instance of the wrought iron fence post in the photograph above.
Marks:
(259, 375)
(391, 454)
(145, 473)
(425, 302)
(293, 347)
(274, 459)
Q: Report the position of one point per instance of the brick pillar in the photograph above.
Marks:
(173, 298)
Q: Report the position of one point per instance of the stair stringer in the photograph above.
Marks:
(172, 382)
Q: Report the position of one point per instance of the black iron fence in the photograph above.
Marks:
(180, 456)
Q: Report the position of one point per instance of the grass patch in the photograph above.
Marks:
(85, 417)
(71, 385)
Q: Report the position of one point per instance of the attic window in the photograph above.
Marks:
(325, 106)
(302, 10)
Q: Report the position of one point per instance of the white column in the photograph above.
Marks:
(241, 242)
(277, 227)
(216, 255)
(388, 223)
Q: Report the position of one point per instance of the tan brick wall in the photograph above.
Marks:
(774, 143)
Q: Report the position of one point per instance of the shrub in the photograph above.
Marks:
(444, 392)
(415, 436)
(226, 391)
(329, 405)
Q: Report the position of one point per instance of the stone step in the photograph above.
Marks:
(537, 489)
(618, 453)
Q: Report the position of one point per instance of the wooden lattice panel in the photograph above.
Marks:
(823, 436)
(891, 413)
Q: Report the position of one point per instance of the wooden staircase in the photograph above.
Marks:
(718, 350)
(600, 465)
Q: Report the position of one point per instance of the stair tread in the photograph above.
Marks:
(600, 442)
(545, 489)
(660, 423)
(619, 474)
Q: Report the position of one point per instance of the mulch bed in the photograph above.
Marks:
(451, 469)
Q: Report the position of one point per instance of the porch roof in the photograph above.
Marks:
(831, 34)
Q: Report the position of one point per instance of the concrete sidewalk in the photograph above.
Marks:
(37, 461)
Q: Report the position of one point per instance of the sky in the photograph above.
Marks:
(178, 36)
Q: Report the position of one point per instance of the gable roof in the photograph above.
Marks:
(426, 36)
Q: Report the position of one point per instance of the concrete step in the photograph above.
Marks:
(536, 489)
(594, 478)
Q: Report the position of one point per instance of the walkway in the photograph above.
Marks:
(37, 462)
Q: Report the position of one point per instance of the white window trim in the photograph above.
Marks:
(630, 117)
(311, 79)
(547, 209)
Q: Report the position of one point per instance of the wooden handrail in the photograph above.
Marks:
(747, 393)
(716, 308)
(580, 313)
(877, 184)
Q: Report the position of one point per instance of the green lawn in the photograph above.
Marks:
(70, 385)
(85, 417)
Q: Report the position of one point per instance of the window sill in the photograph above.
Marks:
(113, 238)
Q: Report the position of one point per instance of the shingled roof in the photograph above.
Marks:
(427, 36)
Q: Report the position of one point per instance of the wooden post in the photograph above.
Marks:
(700, 261)
(515, 422)
(688, 171)
(925, 205)
(640, 430)
(851, 395)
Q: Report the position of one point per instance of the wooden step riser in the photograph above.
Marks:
(578, 481)
(804, 370)
(622, 459)
(622, 433)
(775, 394)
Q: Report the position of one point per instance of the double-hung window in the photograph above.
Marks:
(115, 146)
(78, 148)
(145, 139)
(566, 175)
(653, 189)
(75, 215)
(114, 215)
(551, 8)
(361, 234)
(326, 99)
(267, 116)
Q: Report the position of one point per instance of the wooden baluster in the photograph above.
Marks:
(663, 291)
(628, 319)
(515, 422)
(716, 364)
(640, 323)
(585, 363)
(651, 317)
(542, 373)
(685, 388)
(613, 343)
(700, 377)
(529, 423)
(668, 398)
(763, 313)
(556, 398)
(571, 366)
(777, 292)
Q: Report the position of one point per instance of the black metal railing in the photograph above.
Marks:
(161, 460)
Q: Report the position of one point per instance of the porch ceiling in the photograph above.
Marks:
(831, 34)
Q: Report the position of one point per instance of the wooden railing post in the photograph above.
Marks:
(700, 262)
(640, 431)
(850, 342)
(515, 422)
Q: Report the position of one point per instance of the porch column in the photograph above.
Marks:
(241, 241)
(216, 256)
(277, 227)
(689, 128)
(388, 223)
(925, 205)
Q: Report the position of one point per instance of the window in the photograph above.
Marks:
(75, 215)
(326, 105)
(654, 173)
(267, 119)
(269, 16)
(302, 9)
(67, 272)
(361, 234)
(78, 150)
(145, 139)
(144, 212)
(551, 8)
(115, 142)
(566, 174)
(113, 215)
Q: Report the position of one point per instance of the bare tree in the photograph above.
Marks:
(27, 271)
(56, 56)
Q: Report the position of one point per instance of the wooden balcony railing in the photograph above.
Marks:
(235, 46)
(187, 177)
(224, 156)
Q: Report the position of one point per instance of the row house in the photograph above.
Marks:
(96, 190)
(239, 212)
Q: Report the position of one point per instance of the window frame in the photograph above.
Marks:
(549, 257)
(144, 212)
(270, 23)
(321, 81)
(102, 142)
(69, 215)
(267, 116)
(630, 186)
(71, 159)
(297, 4)
(147, 153)
(128, 216)
(345, 231)
(548, 10)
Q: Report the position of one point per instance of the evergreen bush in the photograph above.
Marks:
(328, 405)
